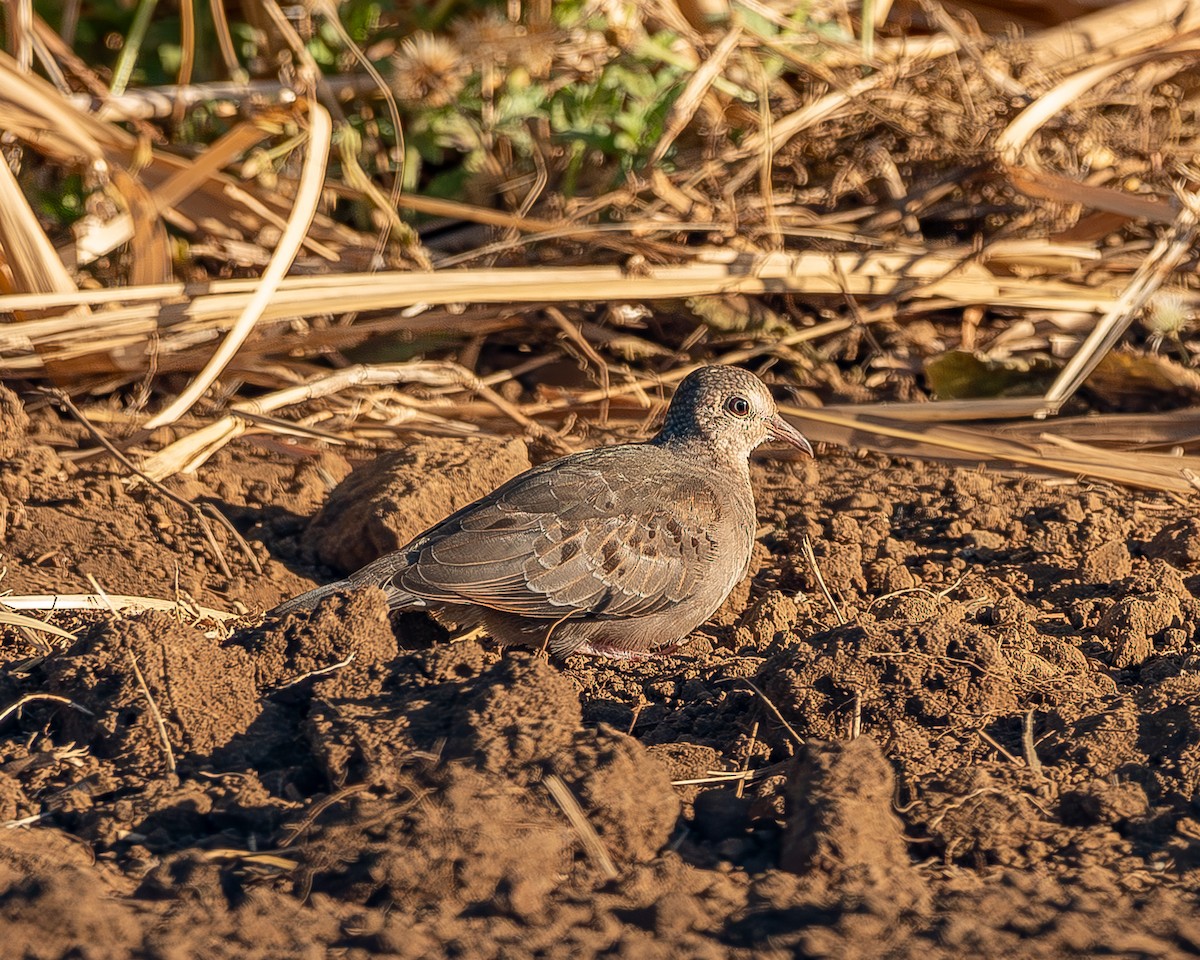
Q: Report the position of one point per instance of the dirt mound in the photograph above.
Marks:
(59, 903)
(148, 678)
(23, 463)
(841, 832)
(384, 504)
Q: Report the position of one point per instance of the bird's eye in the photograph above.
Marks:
(738, 406)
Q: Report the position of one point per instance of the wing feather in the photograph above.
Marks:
(613, 533)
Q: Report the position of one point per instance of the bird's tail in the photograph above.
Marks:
(306, 601)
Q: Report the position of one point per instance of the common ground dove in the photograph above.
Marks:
(620, 551)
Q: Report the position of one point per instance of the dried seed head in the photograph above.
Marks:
(1169, 314)
(429, 70)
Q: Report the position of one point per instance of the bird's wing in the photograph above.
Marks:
(606, 536)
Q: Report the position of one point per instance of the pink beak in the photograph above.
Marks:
(780, 429)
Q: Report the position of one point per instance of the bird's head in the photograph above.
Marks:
(729, 410)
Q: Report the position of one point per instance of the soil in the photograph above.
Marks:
(984, 742)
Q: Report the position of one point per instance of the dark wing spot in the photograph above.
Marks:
(570, 550)
(610, 557)
(504, 523)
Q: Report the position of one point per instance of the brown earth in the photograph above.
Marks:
(996, 754)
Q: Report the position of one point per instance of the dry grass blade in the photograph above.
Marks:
(33, 110)
(191, 451)
(694, 92)
(1121, 30)
(20, 23)
(1172, 428)
(30, 623)
(960, 444)
(1167, 254)
(28, 252)
(811, 557)
(149, 247)
(110, 601)
(233, 66)
(252, 858)
(32, 697)
(307, 194)
(1023, 165)
(796, 738)
(154, 713)
(587, 833)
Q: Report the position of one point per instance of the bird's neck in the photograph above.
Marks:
(707, 451)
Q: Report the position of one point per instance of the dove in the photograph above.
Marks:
(619, 551)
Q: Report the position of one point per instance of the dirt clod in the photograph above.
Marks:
(381, 506)
(841, 830)
(1178, 543)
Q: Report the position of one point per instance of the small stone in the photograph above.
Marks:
(1107, 563)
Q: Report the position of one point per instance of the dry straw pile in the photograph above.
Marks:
(860, 201)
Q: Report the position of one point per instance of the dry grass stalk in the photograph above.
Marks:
(30, 256)
(192, 450)
(1122, 30)
(1167, 254)
(1139, 469)
(154, 713)
(694, 92)
(308, 193)
(947, 277)
(811, 557)
(112, 601)
(587, 833)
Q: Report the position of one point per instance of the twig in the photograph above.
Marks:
(233, 532)
(1031, 757)
(104, 598)
(741, 787)
(587, 833)
(799, 740)
(29, 697)
(811, 557)
(575, 335)
(158, 720)
(195, 511)
(315, 673)
(996, 745)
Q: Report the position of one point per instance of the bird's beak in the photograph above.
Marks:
(780, 429)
